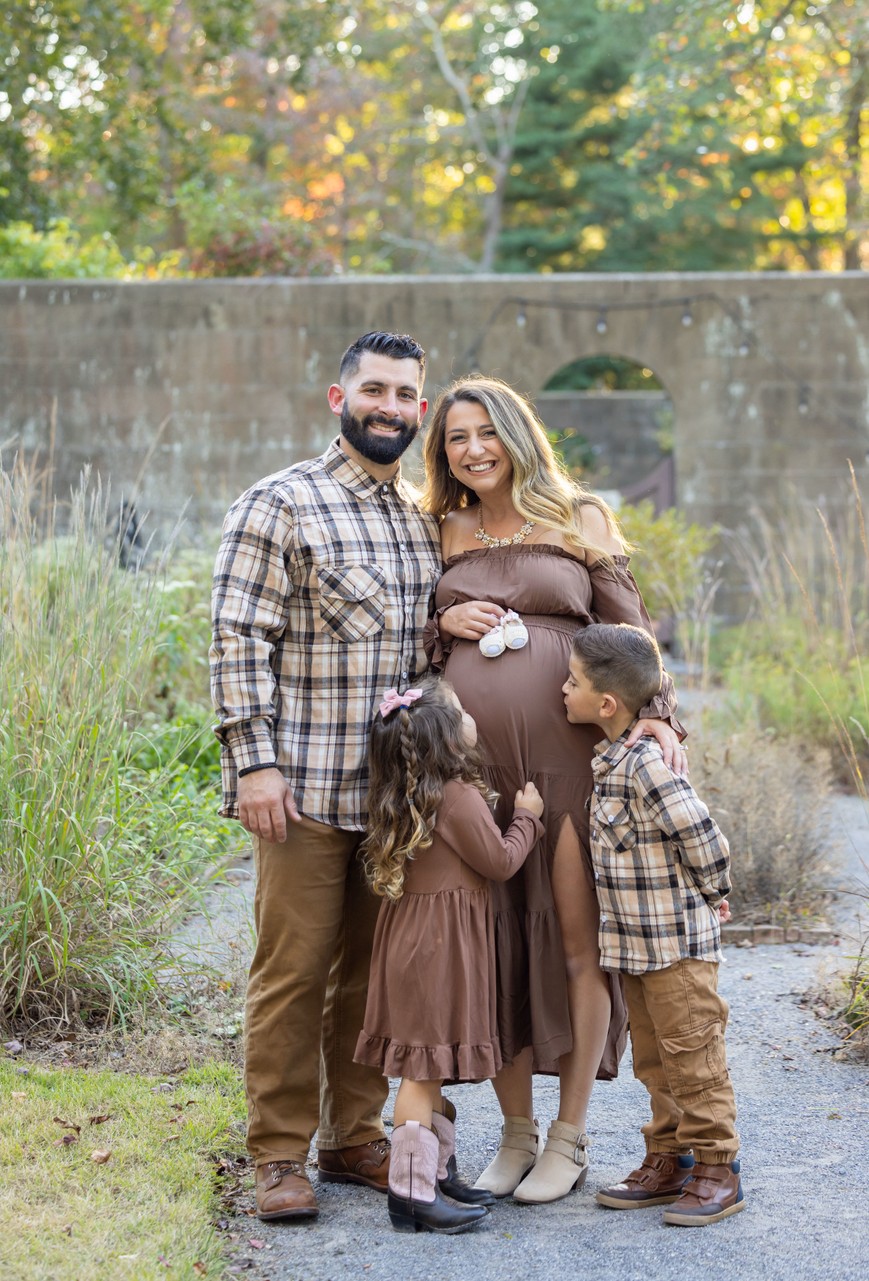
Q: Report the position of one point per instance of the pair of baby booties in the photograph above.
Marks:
(509, 633)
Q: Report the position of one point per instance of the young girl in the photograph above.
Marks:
(431, 848)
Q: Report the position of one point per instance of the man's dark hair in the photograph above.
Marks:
(622, 660)
(396, 346)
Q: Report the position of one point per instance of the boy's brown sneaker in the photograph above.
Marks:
(713, 1192)
(658, 1181)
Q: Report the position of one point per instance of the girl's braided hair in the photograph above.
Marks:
(413, 753)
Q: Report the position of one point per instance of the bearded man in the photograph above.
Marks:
(323, 583)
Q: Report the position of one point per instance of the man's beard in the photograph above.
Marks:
(377, 449)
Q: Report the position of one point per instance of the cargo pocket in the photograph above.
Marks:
(351, 601)
(696, 1060)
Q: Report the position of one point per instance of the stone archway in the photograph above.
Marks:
(612, 423)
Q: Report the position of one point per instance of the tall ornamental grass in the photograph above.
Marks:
(801, 663)
(98, 846)
(802, 659)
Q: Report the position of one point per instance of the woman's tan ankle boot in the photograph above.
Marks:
(518, 1150)
(562, 1167)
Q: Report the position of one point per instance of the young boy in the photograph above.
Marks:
(661, 873)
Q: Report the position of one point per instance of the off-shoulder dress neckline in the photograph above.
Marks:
(544, 549)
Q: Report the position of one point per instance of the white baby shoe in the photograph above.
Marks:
(515, 631)
(493, 643)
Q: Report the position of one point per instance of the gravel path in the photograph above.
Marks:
(804, 1124)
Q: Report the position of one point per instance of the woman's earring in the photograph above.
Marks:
(450, 470)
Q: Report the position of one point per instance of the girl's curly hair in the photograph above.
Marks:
(413, 753)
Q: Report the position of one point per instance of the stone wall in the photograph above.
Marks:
(184, 392)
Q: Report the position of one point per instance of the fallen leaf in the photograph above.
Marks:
(19, 1094)
(66, 1141)
(257, 1245)
(13, 1047)
(67, 1231)
(200, 1268)
(100, 1158)
(101, 1119)
(161, 1258)
(173, 1138)
(67, 1125)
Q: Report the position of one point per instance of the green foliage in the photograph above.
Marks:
(671, 563)
(571, 135)
(610, 373)
(856, 1009)
(109, 819)
(61, 252)
(801, 685)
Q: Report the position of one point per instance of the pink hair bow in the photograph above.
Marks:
(392, 699)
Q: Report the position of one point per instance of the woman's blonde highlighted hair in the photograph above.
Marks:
(543, 492)
(413, 753)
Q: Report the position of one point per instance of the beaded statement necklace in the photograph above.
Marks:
(513, 541)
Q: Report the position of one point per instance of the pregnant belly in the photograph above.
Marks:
(517, 702)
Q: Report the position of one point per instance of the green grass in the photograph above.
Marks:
(144, 1213)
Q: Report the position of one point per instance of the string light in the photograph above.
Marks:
(521, 318)
(601, 325)
(803, 403)
(687, 318)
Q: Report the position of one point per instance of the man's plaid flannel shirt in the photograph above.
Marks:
(323, 584)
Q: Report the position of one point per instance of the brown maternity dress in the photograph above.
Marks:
(524, 735)
(430, 1014)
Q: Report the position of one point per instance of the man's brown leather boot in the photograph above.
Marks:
(283, 1191)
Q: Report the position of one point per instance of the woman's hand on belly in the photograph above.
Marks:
(470, 620)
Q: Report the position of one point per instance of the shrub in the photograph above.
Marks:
(674, 571)
(61, 253)
(768, 797)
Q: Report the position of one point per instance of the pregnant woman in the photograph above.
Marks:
(517, 534)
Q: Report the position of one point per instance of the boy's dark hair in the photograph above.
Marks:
(622, 660)
(396, 346)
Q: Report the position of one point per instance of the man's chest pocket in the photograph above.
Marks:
(351, 601)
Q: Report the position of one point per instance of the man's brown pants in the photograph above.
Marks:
(308, 981)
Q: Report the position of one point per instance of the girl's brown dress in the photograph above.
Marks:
(524, 735)
(430, 1014)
